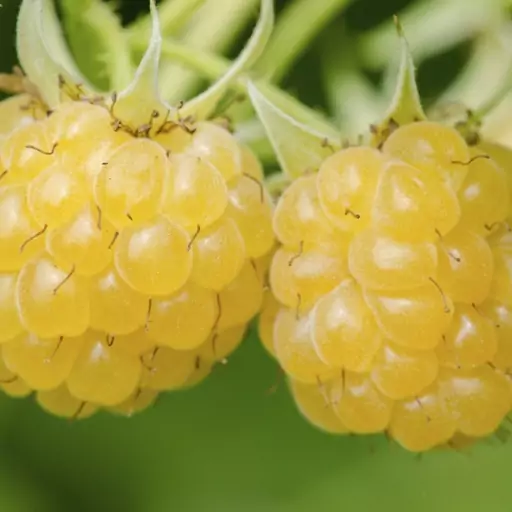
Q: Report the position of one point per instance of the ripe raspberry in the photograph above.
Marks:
(395, 288)
(130, 263)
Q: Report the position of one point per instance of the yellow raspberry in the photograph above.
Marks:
(126, 269)
(61, 402)
(42, 363)
(134, 234)
(140, 400)
(313, 403)
(394, 281)
(423, 422)
(345, 185)
(269, 310)
(433, 148)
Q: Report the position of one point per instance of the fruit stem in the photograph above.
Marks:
(491, 57)
(214, 27)
(343, 79)
(173, 15)
(209, 65)
(297, 26)
(495, 100)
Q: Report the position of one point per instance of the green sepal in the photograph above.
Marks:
(205, 103)
(300, 140)
(141, 101)
(43, 53)
(405, 106)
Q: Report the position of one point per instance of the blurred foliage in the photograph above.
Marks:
(229, 445)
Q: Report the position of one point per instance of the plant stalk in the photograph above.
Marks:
(173, 14)
(297, 26)
(213, 27)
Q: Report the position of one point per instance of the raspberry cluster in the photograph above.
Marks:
(394, 290)
(130, 259)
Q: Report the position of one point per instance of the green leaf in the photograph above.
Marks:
(98, 42)
(203, 105)
(405, 104)
(300, 141)
(42, 50)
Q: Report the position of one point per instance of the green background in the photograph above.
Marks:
(229, 445)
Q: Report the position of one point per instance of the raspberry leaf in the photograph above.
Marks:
(42, 50)
(300, 139)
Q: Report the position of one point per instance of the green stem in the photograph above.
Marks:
(431, 26)
(492, 59)
(212, 67)
(495, 100)
(298, 25)
(215, 26)
(209, 65)
(342, 80)
(173, 14)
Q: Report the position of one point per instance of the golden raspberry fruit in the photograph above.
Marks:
(132, 232)
(395, 289)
